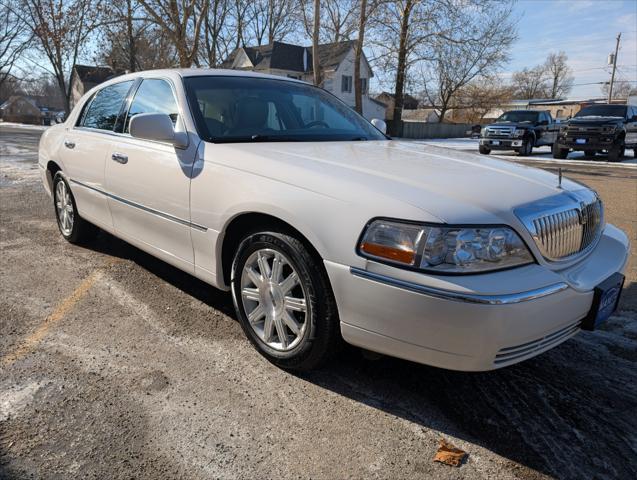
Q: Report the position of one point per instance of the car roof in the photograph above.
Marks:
(199, 72)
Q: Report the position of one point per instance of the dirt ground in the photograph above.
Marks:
(116, 365)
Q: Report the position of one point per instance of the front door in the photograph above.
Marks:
(149, 182)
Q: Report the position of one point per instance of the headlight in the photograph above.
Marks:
(609, 129)
(519, 132)
(483, 132)
(443, 248)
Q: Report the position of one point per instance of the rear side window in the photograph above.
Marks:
(153, 96)
(105, 106)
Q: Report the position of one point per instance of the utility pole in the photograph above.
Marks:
(612, 77)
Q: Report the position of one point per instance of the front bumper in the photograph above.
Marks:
(501, 143)
(468, 325)
(592, 143)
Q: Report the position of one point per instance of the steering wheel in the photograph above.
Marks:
(317, 123)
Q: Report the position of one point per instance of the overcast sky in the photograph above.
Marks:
(585, 30)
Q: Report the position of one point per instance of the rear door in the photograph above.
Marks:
(85, 147)
(149, 181)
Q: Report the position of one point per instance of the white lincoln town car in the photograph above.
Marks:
(324, 229)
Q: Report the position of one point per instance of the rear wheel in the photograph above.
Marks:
(558, 152)
(284, 301)
(72, 227)
(484, 150)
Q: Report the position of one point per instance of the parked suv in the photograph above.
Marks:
(519, 130)
(599, 128)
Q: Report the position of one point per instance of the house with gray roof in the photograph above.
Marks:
(336, 61)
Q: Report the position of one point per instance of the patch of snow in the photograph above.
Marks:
(24, 125)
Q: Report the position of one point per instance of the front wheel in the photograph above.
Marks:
(72, 227)
(484, 150)
(527, 147)
(284, 302)
(558, 152)
(616, 153)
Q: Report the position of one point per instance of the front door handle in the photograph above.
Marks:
(120, 158)
(69, 144)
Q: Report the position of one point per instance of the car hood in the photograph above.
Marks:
(446, 185)
(594, 121)
(511, 124)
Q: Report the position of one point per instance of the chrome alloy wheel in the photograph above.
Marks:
(64, 208)
(274, 300)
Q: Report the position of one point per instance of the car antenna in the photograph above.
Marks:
(559, 177)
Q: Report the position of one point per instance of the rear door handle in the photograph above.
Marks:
(120, 158)
(69, 144)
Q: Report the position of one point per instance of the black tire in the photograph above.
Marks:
(616, 153)
(484, 150)
(558, 152)
(527, 147)
(320, 337)
(635, 152)
(590, 153)
(80, 230)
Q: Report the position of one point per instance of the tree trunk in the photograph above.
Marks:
(400, 71)
(132, 54)
(358, 90)
(315, 42)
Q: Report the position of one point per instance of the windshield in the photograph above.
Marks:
(247, 109)
(518, 117)
(602, 111)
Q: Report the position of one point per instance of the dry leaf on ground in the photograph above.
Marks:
(448, 454)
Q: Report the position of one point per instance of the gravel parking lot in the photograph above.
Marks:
(116, 365)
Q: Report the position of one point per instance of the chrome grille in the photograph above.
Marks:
(500, 132)
(564, 230)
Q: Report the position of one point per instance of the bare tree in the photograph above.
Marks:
(215, 44)
(61, 31)
(315, 43)
(530, 83)
(479, 47)
(15, 38)
(338, 19)
(402, 34)
(482, 95)
(358, 54)
(271, 20)
(559, 74)
(621, 89)
(181, 21)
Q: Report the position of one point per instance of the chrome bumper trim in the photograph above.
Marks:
(505, 299)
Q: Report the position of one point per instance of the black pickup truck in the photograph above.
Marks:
(599, 128)
(519, 130)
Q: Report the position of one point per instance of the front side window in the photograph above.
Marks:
(242, 109)
(104, 108)
(153, 96)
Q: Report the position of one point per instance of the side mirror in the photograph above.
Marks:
(157, 127)
(380, 125)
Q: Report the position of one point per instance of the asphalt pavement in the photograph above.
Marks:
(116, 365)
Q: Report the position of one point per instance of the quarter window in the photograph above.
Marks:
(153, 96)
(105, 106)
